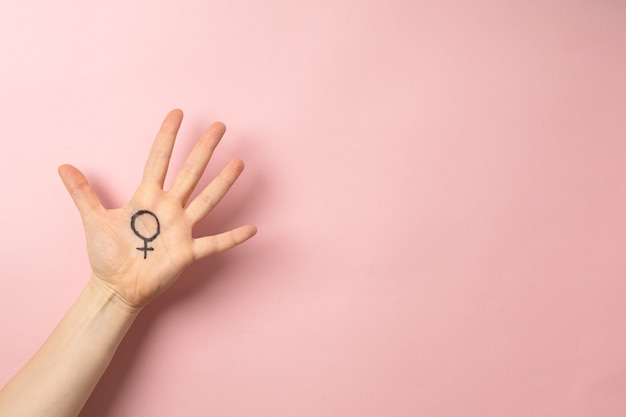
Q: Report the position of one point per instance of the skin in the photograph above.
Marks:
(59, 378)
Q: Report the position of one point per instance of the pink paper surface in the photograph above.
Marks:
(439, 187)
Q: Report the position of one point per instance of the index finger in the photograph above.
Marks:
(161, 151)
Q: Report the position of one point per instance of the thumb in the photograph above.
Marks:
(81, 192)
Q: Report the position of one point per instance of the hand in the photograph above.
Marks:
(140, 249)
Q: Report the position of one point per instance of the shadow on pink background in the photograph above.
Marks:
(439, 186)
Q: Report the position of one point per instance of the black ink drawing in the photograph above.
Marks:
(145, 239)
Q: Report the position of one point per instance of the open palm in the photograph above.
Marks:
(140, 249)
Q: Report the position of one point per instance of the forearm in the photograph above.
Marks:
(59, 378)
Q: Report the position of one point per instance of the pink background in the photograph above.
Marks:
(439, 186)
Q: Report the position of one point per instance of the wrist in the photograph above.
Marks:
(108, 297)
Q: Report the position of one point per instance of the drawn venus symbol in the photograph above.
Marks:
(145, 216)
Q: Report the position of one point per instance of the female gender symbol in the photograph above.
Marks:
(145, 239)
